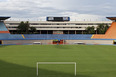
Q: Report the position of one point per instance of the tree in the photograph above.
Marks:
(90, 30)
(32, 29)
(102, 28)
(20, 28)
(25, 28)
(106, 28)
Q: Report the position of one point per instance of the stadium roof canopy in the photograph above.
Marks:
(3, 18)
(111, 18)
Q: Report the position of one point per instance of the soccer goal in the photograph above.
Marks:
(38, 63)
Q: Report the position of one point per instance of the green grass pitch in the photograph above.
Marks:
(92, 60)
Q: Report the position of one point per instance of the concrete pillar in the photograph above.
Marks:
(96, 31)
(40, 31)
(47, 31)
(82, 31)
(75, 32)
(68, 31)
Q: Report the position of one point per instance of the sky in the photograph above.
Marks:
(77, 10)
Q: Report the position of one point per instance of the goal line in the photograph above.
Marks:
(38, 63)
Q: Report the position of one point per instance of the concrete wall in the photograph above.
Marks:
(26, 41)
(41, 25)
(50, 41)
(90, 41)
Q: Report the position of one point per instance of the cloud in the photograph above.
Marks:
(76, 9)
(83, 17)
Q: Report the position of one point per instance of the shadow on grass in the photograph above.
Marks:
(1, 46)
(14, 70)
(62, 47)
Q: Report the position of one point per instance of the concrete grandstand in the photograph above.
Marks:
(110, 34)
(57, 26)
(13, 39)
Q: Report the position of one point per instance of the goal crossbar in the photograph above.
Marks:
(57, 63)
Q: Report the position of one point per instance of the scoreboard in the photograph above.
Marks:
(58, 18)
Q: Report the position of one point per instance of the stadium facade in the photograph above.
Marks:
(58, 26)
(58, 35)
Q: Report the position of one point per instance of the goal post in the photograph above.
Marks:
(38, 63)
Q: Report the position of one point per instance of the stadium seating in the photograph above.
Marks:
(4, 36)
(4, 33)
(110, 34)
(44, 36)
(2, 27)
(8, 36)
(58, 36)
(15, 36)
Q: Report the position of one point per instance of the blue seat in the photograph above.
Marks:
(15, 36)
(3, 27)
(58, 36)
(4, 36)
(8, 36)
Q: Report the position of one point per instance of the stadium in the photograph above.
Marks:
(55, 28)
(58, 52)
